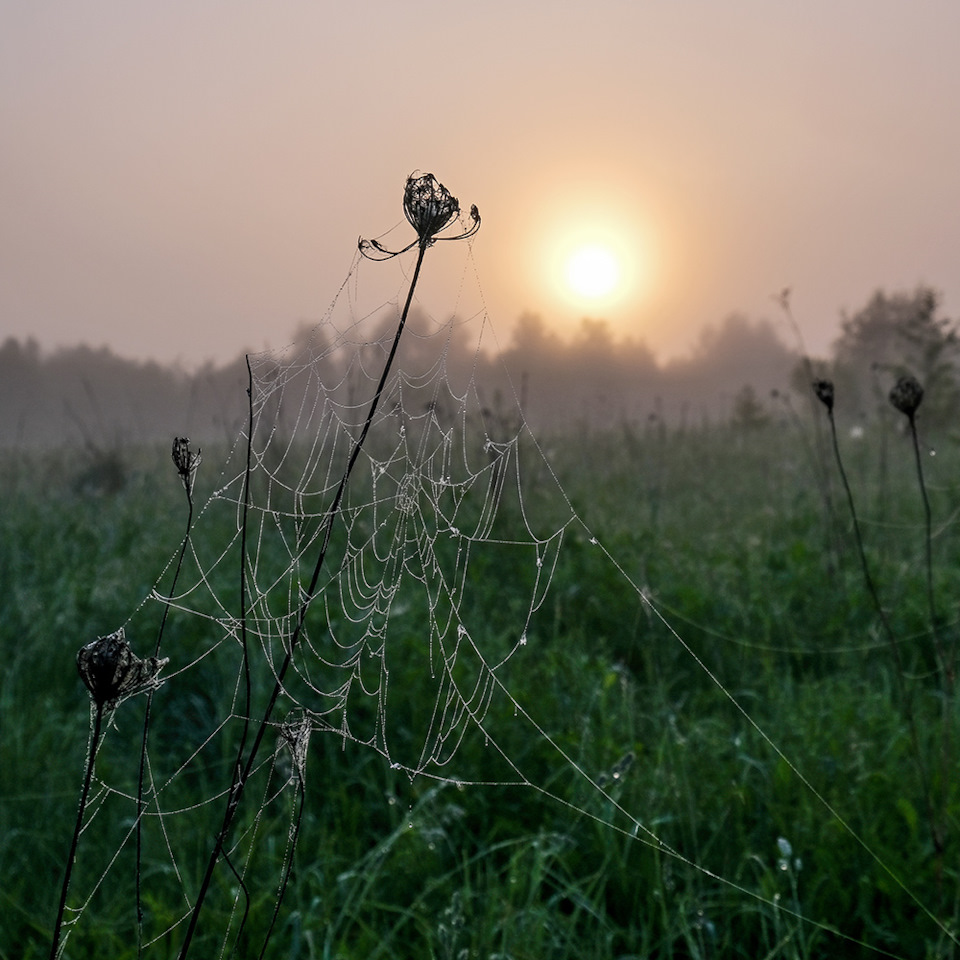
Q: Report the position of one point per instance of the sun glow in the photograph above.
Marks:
(589, 252)
(592, 267)
(592, 272)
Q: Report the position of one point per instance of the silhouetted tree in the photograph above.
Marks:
(21, 389)
(892, 336)
(737, 353)
(593, 379)
(748, 412)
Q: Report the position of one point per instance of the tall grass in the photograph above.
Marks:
(386, 867)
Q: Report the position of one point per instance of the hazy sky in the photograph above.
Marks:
(188, 179)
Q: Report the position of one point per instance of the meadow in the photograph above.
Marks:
(748, 554)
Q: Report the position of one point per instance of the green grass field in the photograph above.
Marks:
(730, 533)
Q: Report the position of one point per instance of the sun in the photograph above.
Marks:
(592, 272)
(591, 259)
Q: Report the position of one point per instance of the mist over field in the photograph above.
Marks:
(85, 395)
(743, 371)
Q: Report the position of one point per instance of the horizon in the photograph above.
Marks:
(586, 331)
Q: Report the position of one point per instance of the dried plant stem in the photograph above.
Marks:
(945, 664)
(891, 640)
(95, 738)
(244, 769)
(861, 553)
(288, 868)
(816, 451)
(247, 684)
(141, 806)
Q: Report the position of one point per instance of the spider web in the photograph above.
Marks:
(448, 488)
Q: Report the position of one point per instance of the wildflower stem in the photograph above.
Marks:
(946, 668)
(945, 664)
(146, 717)
(243, 570)
(294, 835)
(244, 770)
(816, 451)
(891, 640)
(861, 553)
(72, 856)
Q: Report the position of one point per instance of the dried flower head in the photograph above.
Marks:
(429, 208)
(186, 462)
(824, 391)
(112, 672)
(906, 395)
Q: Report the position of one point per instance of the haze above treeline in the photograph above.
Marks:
(743, 372)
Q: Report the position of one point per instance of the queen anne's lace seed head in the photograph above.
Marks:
(906, 395)
(824, 391)
(112, 672)
(428, 205)
(429, 208)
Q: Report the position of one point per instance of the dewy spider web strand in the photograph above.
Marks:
(844, 823)
(465, 703)
(440, 493)
(436, 222)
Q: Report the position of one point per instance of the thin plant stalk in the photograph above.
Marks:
(294, 835)
(430, 209)
(824, 390)
(816, 452)
(946, 666)
(95, 738)
(861, 552)
(111, 673)
(906, 396)
(244, 770)
(186, 464)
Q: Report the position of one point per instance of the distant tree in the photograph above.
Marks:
(748, 412)
(616, 378)
(535, 359)
(593, 337)
(532, 339)
(891, 336)
(737, 352)
(21, 390)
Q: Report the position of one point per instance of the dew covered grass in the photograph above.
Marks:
(732, 537)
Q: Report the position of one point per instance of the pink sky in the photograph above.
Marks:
(188, 180)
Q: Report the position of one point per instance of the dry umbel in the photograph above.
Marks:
(906, 395)
(429, 208)
(112, 672)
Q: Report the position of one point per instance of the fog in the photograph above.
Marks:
(742, 372)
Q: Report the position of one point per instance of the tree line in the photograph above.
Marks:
(740, 371)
